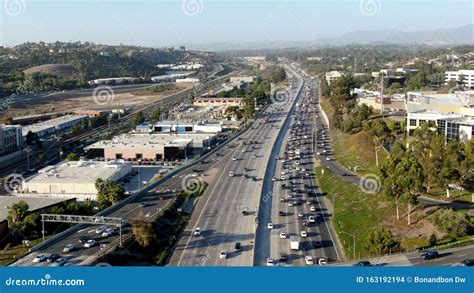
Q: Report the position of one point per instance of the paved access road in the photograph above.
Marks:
(448, 257)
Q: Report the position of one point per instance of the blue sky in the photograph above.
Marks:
(173, 22)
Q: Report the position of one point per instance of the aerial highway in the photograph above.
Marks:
(227, 216)
(297, 211)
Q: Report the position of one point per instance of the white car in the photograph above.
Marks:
(39, 258)
(311, 219)
(234, 159)
(312, 208)
(274, 179)
(328, 159)
(283, 178)
(309, 260)
(282, 235)
(108, 232)
(223, 255)
(69, 248)
(270, 226)
(300, 214)
(89, 243)
(100, 230)
(304, 234)
(197, 231)
(231, 174)
(270, 262)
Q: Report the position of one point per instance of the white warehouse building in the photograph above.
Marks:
(73, 179)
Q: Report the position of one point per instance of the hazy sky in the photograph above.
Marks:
(173, 22)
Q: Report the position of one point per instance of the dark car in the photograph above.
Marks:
(467, 263)
(84, 239)
(238, 247)
(281, 213)
(283, 257)
(430, 254)
(53, 257)
(244, 213)
(363, 263)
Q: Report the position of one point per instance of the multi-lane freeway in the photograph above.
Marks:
(226, 215)
(297, 210)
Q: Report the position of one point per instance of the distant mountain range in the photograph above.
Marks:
(437, 37)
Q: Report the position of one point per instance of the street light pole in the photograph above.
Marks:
(354, 244)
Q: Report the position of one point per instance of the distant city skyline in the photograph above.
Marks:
(171, 23)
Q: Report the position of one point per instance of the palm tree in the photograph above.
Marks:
(17, 212)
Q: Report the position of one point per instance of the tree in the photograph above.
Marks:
(108, 193)
(31, 138)
(455, 224)
(17, 212)
(155, 115)
(7, 120)
(72, 157)
(138, 119)
(143, 232)
(411, 201)
(380, 239)
(402, 175)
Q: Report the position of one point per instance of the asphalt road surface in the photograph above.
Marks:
(219, 213)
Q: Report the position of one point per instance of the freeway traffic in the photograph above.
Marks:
(221, 230)
(296, 228)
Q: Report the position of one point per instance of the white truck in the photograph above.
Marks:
(294, 243)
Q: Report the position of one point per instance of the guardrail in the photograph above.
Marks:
(137, 195)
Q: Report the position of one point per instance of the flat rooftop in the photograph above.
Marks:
(151, 140)
(77, 172)
(37, 127)
(33, 202)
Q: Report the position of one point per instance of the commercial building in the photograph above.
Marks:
(432, 101)
(332, 76)
(242, 79)
(451, 125)
(152, 146)
(204, 101)
(373, 99)
(11, 139)
(53, 126)
(180, 127)
(466, 76)
(112, 80)
(73, 179)
(187, 80)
